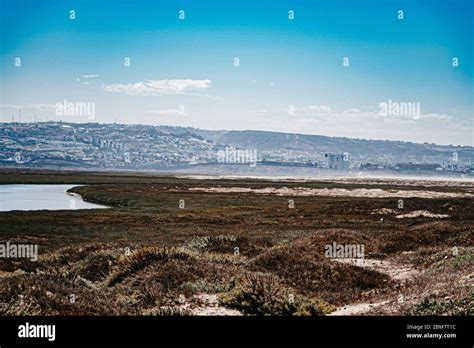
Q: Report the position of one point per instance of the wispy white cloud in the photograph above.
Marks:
(352, 111)
(91, 76)
(319, 108)
(168, 112)
(28, 106)
(159, 87)
(369, 122)
(321, 112)
(436, 117)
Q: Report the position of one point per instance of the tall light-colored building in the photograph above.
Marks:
(337, 161)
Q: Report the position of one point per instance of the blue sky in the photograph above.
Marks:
(290, 75)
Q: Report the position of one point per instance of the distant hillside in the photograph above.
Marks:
(119, 146)
(358, 148)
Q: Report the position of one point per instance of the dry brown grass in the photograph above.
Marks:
(265, 294)
(302, 265)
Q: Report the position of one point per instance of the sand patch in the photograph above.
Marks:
(208, 304)
(395, 271)
(358, 308)
(398, 272)
(333, 192)
(384, 211)
(421, 213)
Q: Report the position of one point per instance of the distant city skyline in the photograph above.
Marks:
(358, 69)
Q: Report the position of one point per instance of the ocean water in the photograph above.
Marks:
(41, 197)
